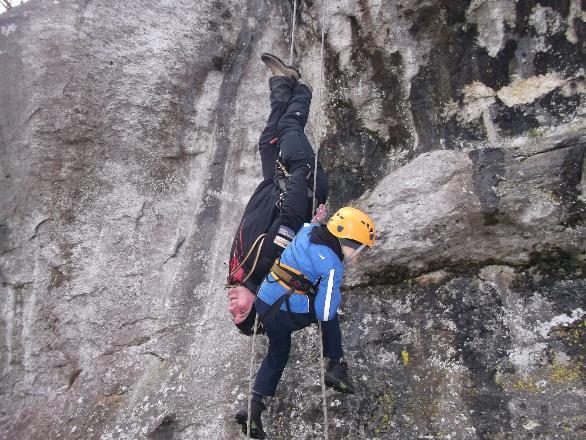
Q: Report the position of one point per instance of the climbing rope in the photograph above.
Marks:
(319, 133)
(313, 207)
(323, 380)
(294, 22)
(261, 237)
(250, 373)
(319, 109)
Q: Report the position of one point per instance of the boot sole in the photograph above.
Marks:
(242, 420)
(338, 385)
(276, 62)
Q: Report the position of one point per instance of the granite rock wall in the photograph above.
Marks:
(128, 138)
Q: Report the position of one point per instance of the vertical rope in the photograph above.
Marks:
(323, 380)
(319, 110)
(250, 373)
(294, 22)
(319, 135)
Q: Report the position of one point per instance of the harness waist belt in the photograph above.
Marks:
(291, 279)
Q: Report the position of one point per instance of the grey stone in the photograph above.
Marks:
(128, 150)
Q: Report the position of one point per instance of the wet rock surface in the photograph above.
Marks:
(128, 141)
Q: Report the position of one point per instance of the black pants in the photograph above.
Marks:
(279, 329)
(290, 102)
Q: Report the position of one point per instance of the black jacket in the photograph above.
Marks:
(262, 215)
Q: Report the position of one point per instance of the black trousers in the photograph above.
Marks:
(290, 102)
(279, 329)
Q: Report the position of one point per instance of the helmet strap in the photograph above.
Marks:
(353, 254)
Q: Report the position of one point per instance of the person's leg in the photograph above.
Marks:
(297, 112)
(281, 88)
(279, 328)
(272, 366)
(337, 371)
(332, 339)
(296, 150)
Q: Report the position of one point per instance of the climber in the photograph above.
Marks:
(282, 202)
(304, 285)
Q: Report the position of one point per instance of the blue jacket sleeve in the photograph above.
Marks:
(328, 296)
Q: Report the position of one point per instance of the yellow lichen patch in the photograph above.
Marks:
(555, 374)
(563, 374)
(570, 423)
(512, 382)
(405, 357)
(525, 385)
(386, 404)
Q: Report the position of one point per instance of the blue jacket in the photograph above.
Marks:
(314, 261)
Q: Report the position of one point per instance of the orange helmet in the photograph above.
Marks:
(352, 224)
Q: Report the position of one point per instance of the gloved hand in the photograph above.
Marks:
(320, 214)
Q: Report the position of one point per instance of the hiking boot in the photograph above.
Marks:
(278, 67)
(256, 408)
(306, 85)
(337, 377)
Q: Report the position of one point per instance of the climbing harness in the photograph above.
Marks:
(283, 274)
(291, 278)
(259, 240)
(282, 178)
(295, 283)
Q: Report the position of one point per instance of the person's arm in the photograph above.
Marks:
(328, 296)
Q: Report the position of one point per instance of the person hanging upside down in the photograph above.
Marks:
(282, 202)
(303, 287)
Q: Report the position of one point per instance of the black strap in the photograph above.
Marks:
(292, 314)
(276, 306)
(282, 177)
(273, 310)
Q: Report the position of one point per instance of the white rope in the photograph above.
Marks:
(319, 136)
(321, 348)
(250, 373)
(319, 110)
(294, 22)
(323, 381)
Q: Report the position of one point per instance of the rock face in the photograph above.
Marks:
(128, 141)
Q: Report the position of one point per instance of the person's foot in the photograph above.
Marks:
(256, 409)
(337, 377)
(278, 67)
